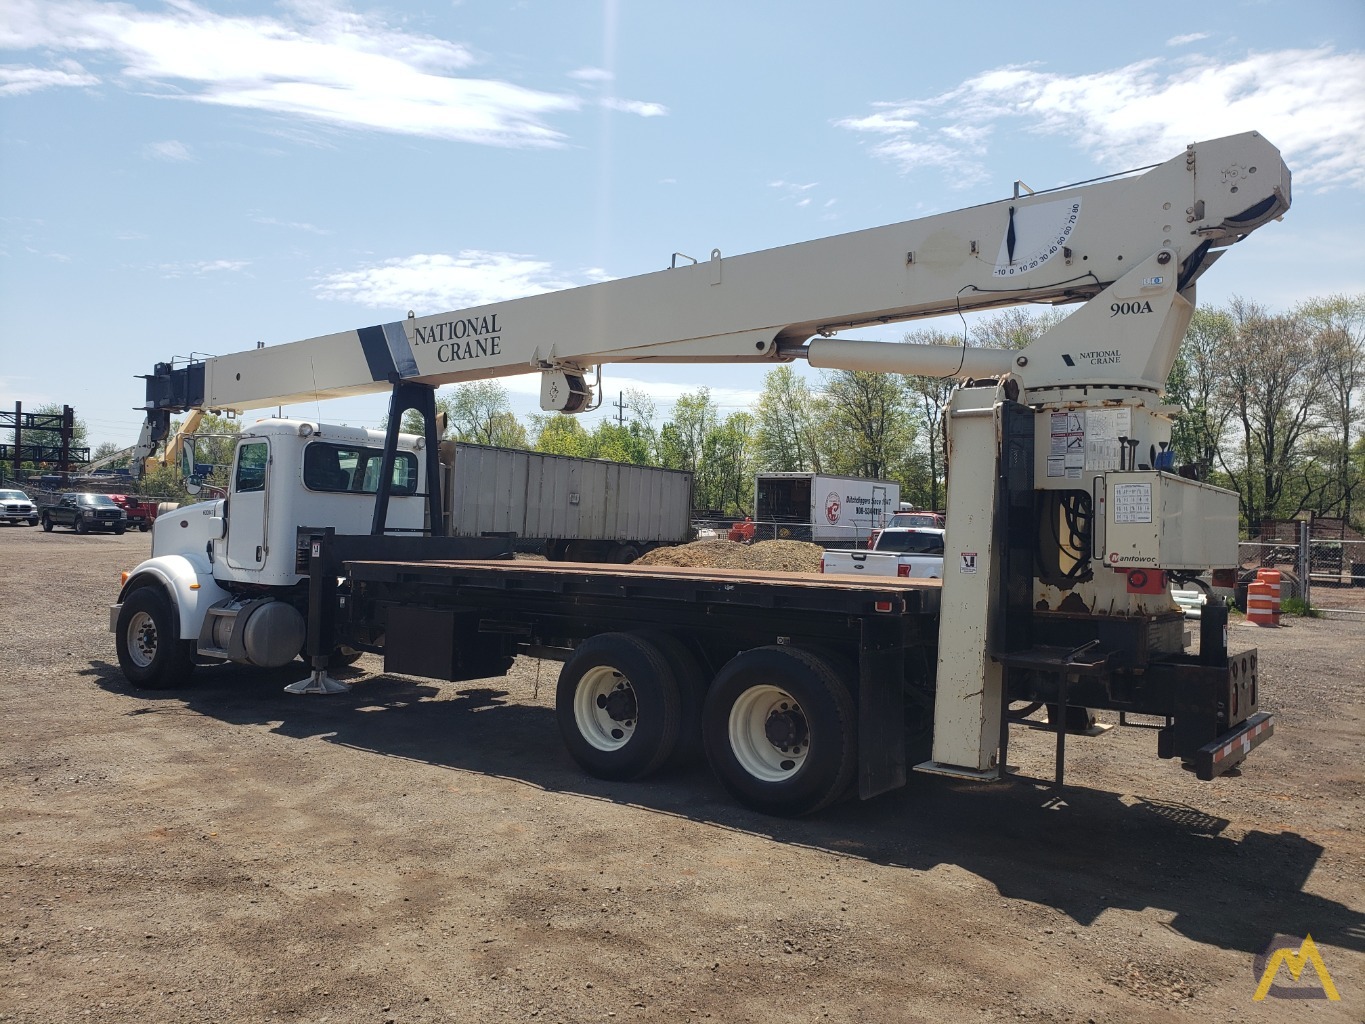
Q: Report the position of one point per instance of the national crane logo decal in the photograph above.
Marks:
(1281, 953)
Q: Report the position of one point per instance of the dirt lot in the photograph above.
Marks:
(418, 852)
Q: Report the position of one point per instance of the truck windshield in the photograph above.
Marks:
(103, 500)
(13, 496)
(355, 469)
(911, 542)
(907, 519)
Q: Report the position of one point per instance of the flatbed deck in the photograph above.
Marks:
(847, 594)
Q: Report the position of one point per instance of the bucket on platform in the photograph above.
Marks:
(1263, 605)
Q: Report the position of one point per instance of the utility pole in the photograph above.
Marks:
(620, 408)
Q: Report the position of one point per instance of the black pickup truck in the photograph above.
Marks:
(83, 513)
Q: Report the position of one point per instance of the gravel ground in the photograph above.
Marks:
(414, 851)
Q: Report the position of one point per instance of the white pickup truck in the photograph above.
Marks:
(915, 552)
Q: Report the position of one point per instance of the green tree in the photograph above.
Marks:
(1338, 322)
(1274, 384)
(557, 434)
(1016, 327)
(478, 413)
(620, 443)
(640, 423)
(1196, 385)
(867, 430)
(928, 401)
(729, 450)
(682, 444)
(788, 415)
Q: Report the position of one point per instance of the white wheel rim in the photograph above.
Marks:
(750, 741)
(142, 639)
(605, 709)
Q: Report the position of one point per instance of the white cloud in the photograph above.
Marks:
(295, 225)
(169, 150)
(319, 62)
(435, 282)
(592, 75)
(16, 79)
(1310, 103)
(1185, 40)
(794, 192)
(634, 107)
(199, 268)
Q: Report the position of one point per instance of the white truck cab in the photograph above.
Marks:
(288, 474)
(226, 577)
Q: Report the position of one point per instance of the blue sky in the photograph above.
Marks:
(182, 177)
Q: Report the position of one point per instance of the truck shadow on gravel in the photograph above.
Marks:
(1080, 852)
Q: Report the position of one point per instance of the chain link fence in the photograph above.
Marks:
(1327, 574)
(1336, 575)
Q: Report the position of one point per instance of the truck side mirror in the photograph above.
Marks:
(192, 485)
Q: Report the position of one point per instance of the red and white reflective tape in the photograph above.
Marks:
(1242, 744)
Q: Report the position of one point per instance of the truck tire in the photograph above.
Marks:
(692, 681)
(120, 530)
(781, 731)
(624, 554)
(80, 525)
(143, 527)
(47, 523)
(150, 651)
(617, 705)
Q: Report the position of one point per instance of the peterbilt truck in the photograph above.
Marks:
(799, 688)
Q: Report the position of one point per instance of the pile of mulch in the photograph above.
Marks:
(772, 555)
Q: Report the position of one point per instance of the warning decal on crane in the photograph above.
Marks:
(1066, 454)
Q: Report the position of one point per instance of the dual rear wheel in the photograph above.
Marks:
(778, 724)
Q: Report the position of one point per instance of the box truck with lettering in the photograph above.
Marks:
(832, 511)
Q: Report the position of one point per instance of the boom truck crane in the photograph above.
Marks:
(1066, 516)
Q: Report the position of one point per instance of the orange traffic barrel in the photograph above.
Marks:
(1271, 578)
(1263, 608)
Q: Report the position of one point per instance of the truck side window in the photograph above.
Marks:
(251, 460)
(334, 467)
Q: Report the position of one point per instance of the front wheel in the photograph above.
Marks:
(780, 730)
(120, 530)
(618, 706)
(47, 523)
(150, 651)
(143, 527)
(81, 526)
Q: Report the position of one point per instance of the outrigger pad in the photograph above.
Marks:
(318, 682)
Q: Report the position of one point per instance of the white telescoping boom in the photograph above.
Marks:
(1061, 246)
